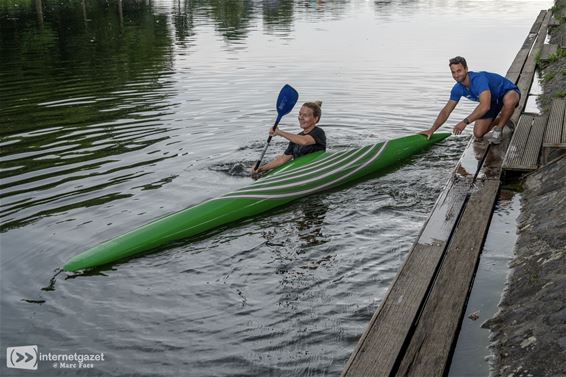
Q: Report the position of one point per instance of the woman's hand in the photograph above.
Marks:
(255, 172)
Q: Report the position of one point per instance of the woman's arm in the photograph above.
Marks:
(278, 161)
(297, 139)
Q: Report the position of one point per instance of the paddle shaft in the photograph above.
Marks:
(267, 144)
(285, 102)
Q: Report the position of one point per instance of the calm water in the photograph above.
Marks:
(115, 113)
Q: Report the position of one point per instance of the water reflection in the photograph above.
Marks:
(278, 16)
(84, 95)
(309, 222)
(234, 20)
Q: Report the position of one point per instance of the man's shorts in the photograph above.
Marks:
(496, 106)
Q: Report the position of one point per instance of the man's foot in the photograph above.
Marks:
(494, 136)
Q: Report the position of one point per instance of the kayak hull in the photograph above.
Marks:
(304, 176)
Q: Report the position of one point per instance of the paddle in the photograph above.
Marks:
(285, 102)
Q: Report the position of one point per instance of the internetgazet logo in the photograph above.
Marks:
(28, 357)
(23, 357)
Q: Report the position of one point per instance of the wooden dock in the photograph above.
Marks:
(413, 333)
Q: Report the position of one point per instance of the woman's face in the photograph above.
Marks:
(306, 118)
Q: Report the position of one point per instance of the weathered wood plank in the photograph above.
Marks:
(382, 343)
(529, 160)
(519, 139)
(528, 72)
(519, 61)
(518, 142)
(553, 135)
(493, 162)
(430, 347)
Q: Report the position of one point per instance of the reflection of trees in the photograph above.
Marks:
(323, 9)
(278, 15)
(232, 18)
(103, 56)
(183, 20)
(81, 88)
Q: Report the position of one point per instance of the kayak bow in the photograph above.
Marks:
(304, 176)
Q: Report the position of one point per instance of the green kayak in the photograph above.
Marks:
(304, 176)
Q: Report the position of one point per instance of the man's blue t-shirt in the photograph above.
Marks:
(480, 82)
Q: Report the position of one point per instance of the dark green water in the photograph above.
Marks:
(115, 113)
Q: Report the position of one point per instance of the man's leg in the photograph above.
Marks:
(481, 127)
(510, 101)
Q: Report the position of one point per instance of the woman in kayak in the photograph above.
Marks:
(310, 139)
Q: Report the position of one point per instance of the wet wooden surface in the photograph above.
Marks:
(519, 143)
(519, 61)
(528, 71)
(523, 141)
(432, 342)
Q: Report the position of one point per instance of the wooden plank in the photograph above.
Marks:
(380, 346)
(528, 72)
(519, 140)
(428, 353)
(548, 50)
(538, 22)
(493, 162)
(519, 61)
(553, 135)
(529, 161)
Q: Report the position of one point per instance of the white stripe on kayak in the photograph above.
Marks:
(306, 168)
(270, 187)
(298, 173)
(311, 190)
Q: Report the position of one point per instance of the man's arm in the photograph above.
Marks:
(479, 111)
(441, 118)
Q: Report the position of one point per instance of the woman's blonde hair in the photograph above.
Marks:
(315, 107)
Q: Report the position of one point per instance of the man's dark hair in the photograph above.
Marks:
(458, 60)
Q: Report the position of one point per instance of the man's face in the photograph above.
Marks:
(458, 72)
